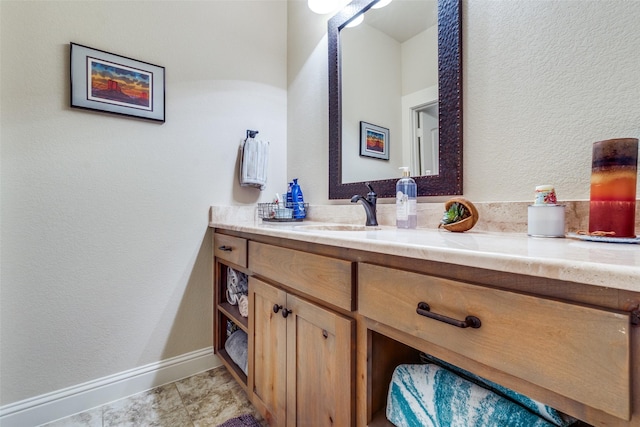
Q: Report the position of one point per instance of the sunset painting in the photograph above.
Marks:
(375, 141)
(119, 85)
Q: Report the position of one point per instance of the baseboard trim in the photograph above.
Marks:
(72, 400)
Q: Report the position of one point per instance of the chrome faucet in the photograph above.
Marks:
(369, 204)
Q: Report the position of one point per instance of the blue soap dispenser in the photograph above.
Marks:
(289, 198)
(406, 201)
(298, 200)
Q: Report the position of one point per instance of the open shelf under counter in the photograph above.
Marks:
(233, 313)
(234, 369)
(379, 419)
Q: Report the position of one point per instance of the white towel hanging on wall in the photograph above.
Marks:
(254, 162)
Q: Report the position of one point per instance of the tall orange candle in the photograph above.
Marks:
(614, 172)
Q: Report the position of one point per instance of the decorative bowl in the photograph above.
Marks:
(466, 223)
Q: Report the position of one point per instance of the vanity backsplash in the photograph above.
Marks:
(505, 217)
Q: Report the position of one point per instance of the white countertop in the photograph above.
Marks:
(613, 265)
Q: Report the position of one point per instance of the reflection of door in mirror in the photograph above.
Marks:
(424, 144)
(389, 70)
(420, 118)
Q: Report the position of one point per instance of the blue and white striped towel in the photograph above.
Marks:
(431, 396)
(545, 411)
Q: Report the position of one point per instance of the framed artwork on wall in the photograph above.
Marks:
(110, 83)
(374, 141)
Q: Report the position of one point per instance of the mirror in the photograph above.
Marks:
(398, 45)
(445, 165)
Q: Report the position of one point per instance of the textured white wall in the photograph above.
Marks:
(307, 97)
(542, 81)
(106, 254)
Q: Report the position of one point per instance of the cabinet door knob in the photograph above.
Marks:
(276, 308)
(225, 248)
(469, 322)
(286, 312)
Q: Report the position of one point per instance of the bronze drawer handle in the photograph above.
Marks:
(469, 322)
(225, 248)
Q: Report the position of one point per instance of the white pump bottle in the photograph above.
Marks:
(406, 201)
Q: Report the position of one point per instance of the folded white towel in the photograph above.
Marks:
(253, 163)
(232, 280)
(243, 305)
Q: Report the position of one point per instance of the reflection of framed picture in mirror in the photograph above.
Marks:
(374, 141)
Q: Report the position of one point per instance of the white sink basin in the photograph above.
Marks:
(337, 227)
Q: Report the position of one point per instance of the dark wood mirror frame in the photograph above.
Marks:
(449, 180)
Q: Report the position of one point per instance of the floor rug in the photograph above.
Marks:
(246, 420)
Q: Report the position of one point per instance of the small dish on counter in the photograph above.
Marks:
(604, 239)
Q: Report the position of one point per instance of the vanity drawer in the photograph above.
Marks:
(325, 278)
(579, 352)
(230, 248)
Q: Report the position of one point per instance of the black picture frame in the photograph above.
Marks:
(115, 84)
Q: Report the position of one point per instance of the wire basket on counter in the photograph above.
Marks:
(273, 212)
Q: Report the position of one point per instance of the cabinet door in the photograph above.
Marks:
(320, 366)
(267, 351)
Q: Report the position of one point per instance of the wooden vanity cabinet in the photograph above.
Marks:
(352, 317)
(301, 354)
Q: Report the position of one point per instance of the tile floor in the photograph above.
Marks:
(203, 400)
